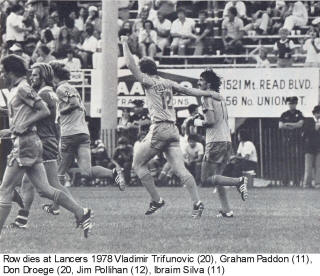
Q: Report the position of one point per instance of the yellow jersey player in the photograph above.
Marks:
(163, 135)
(218, 148)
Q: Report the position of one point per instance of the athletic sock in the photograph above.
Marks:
(148, 182)
(66, 202)
(223, 199)
(191, 185)
(22, 217)
(219, 180)
(5, 209)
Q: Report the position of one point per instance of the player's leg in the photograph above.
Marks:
(144, 152)
(38, 177)
(12, 177)
(219, 154)
(88, 172)
(27, 192)
(175, 158)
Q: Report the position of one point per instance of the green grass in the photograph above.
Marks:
(273, 220)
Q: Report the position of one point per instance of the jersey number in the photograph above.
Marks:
(167, 100)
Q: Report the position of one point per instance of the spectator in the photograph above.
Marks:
(284, 49)
(260, 23)
(30, 21)
(53, 27)
(123, 155)
(63, 43)
(193, 154)
(100, 155)
(290, 123)
(47, 39)
(182, 30)
(125, 121)
(71, 62)
(232, 32)
(238, 5)
(140, 119)
(89, 46)
(15, 29)
(162, 26)
(316, 25)
(81, 20)
(93, 15)
(30, 46)
(17, 50)
(246, 158)
(311, 47)
(202, 29)
(298, 17)
(44, 54)
(126, 30)
(261, 58)
(148, 40)
(311, 137)
(138, 23)
(73, 31)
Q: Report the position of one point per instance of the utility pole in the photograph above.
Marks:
(109, 73)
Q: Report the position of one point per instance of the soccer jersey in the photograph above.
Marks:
(159, 97)
(47, 126)
(21, 105)
(220, 131)
(74, 122)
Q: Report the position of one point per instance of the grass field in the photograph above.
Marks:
(273, 220)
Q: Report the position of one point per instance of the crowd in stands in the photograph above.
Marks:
(165, 28)
(43, 30)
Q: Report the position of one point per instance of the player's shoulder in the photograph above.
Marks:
(25, 90)
(66, 89)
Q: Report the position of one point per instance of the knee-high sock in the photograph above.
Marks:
(219, 180)
(223, 199)
(101, 172)
(148, 182)
(68, 203)
(5, 209)
(190, 183)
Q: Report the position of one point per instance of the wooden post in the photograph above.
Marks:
(109, 73)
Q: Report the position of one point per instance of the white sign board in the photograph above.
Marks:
(255, 93)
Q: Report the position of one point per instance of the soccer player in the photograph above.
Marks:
(25, 109)
(41, 81)
(163, 135)
(75, 138)
(218, 143)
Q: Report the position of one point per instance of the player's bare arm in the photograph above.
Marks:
(130, 62)
(42, 111)
(196, 92)
(73, 104)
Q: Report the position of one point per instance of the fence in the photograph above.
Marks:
(280, 155)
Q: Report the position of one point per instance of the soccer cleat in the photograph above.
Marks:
(17, 225)
(197, 210)
(154, 206)
(86, 222)
(225, 214)
(242, 188)
(119, 178)
(17, 198)
(50, 210)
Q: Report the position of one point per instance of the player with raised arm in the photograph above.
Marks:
(75, 137)
(218, 143)
(41, 81)
(163, 135)
(26, 109)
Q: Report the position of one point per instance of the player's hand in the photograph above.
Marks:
(124, 39)
(5, 133)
